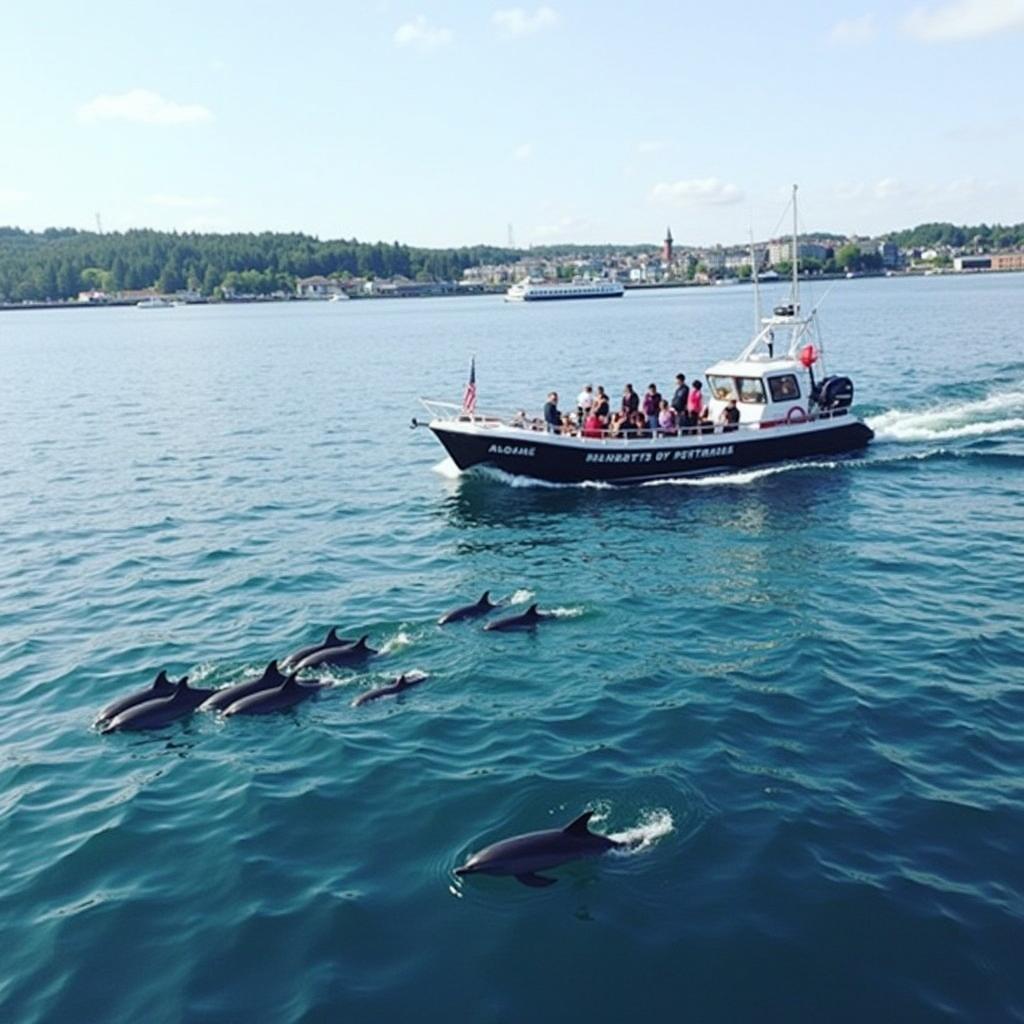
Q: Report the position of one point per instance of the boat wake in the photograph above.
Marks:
(998, 413)
(521, 596)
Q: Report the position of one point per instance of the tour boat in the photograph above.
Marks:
(545, 291)
(789, 408)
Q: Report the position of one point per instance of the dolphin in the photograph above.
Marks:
(469, 611)
(160, 687)
(280, 698)
(349, 654)
(523, 856)
(526, 620)
(331, 640)
(226, 696)
(404, 682)
(152, 714)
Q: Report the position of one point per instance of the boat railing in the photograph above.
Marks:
(454, 413)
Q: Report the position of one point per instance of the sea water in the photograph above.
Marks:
(794, 693)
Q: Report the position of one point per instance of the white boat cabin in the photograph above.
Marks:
(768, 391)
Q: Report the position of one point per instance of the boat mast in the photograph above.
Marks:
(796, 261)
(757, 286)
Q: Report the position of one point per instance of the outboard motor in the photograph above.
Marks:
(833, 393)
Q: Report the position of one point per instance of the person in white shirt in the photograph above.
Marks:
(584, 401)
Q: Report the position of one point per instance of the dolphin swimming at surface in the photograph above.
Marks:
(525, 620)
(523, 856)
(280, 698)
(349, 654)
(152, 714)
(331, 640)
(404, 682)
(469, 611)
(160, 687)
(227, 695)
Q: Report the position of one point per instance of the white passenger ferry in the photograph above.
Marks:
(529, 290)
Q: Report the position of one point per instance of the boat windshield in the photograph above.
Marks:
(723, 388)
(751, 390)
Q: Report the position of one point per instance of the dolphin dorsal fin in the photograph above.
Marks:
(291, 682)
(272, 671)
(331, 640)
(183, 684)
(485, 599)
(532, 611)
(161, 679)
(361, 642)
(578, 826)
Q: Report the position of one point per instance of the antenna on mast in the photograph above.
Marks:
(99, 224)
(796, 260)
(511, 238)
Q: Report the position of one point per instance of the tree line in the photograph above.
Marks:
(981, 236)
(58, 263)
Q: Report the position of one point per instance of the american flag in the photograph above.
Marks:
(469, 398)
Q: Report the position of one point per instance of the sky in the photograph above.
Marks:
(444, 124)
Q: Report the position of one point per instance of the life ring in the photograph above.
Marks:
(796, 415)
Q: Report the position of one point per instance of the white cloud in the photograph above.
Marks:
(887, 188)
(421, 35)
(696, 192)
(183, 202)
(515, 21)
(853, 31)
(523, 152)
(143, 107)
(12, 195)
(964, 19)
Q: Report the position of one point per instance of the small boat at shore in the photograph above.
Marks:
(153, 302)
(529, 290)
(789, 408)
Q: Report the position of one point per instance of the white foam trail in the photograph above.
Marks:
(739, 478)
(511, 480)
(396, 643)
(653, 826)
(448, 469)
(564, 613)
(995, 414)
(521, 596)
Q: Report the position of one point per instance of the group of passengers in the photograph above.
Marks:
(647, 415)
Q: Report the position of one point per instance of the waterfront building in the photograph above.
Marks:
(318, 287)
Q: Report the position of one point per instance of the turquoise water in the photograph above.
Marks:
(796, 692)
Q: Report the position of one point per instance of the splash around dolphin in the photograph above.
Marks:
(526, 855)
(152, 714)
(160, 687)
(526, 620)
(469, 611)
(404, 682)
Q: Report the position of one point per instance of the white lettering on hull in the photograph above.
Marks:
(678, 455)
(512, 449)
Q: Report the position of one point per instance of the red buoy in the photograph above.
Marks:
(808, 356)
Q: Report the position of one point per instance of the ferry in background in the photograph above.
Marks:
(546, 291)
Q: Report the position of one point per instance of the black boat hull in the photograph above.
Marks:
(542, 457)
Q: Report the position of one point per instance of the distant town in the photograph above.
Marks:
(66, 267)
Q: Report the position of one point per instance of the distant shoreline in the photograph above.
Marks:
(261, 300)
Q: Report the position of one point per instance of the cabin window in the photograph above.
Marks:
(722, 388)
(784, 389)
(751, 390)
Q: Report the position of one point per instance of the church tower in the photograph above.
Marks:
(666, 251)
